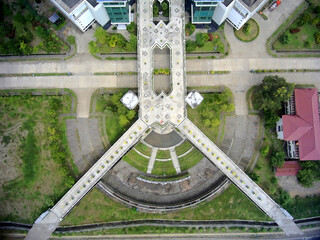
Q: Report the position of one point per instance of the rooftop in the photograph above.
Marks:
(304, 127)
(289, 168)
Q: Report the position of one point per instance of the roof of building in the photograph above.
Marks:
(71, 3)
(289, 168)
(93, 3)
(130, 100)
(304, 127)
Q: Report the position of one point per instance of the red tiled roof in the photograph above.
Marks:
(304, 127)
(289, 168)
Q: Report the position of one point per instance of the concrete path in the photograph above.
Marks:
(84, 99)
(175, 160)
(240, 101)
(152, 159)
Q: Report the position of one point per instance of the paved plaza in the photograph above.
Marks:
(165, 108)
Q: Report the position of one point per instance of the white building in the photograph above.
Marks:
(236, 12)
(83, 13)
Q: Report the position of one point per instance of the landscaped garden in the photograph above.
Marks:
(304, 33)
(36, 166)
(136, 160)
(113, 42)
(183, 148)
(205, 42)
(207, 116)
(118, 118)
(24, 32)
(248, 32)
(163, 168)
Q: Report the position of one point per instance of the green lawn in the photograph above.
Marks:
(252, 33)
(231, 204)
(144, 149)
(113, 128)
(163, 168)
(182, 148)
(303, 39)
(163, 154)
(190, 159)
(38, 163)
(136, 160)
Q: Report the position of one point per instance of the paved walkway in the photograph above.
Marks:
(152, 159)
(175, 160)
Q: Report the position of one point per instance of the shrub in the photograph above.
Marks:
(264, 151)
(305, 18)
(294, 30)
(71, 39)
(315, 20)
(285, 38)
(277, 159)
(255, 177)
(317, 10)
(307, 44)
(246, 28)
(156, 71)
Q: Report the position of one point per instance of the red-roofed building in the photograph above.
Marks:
(289, 168)
(300, 127)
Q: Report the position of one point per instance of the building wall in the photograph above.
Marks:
(221, 13)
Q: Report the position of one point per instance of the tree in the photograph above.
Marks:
(306, 177)
(317, 9)
(190, 45)
(284, 198)
(155, 10)
(285, 38)
(264, 151)
(123, 121)
(270, 118)
(131, 114)
(277, 159)
(200, 39)
(271, 93)
(305, 18)
(255, 177)
(25, 49)
(132, 28)
(42, 32)
(315, 20)
(101, 35)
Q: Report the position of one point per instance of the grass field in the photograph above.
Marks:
(113, 128)
(36, 167)
(183, 148)
(163, 168)
(231, 204)
(163, 154)
(144, 149)
(190, 159)
(136, 160)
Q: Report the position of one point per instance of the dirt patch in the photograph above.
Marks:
(294, 188)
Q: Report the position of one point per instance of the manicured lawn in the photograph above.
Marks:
(163, 168)
(253, 31)
(144, 149)
(190, 159)
(183, 148)
(36, 167)
(231, 204)
(163, 154)
(136, 160)
(303, 39)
